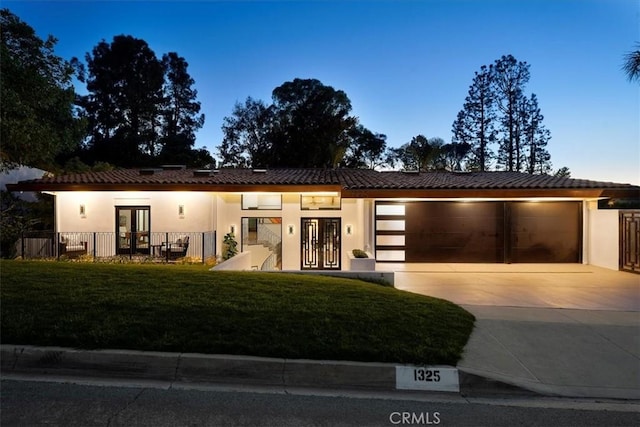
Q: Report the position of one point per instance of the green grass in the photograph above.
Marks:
(184, 308)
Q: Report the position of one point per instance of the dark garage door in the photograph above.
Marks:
(545, 231)
(475, 232)
(455, 232)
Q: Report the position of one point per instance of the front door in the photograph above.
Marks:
(132, 229)
(320, 244)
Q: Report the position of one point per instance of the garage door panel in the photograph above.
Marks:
(546, 232)
(454, 232)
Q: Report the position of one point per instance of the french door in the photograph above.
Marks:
(133, 224)
(320, 244)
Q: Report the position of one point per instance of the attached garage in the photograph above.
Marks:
(482, 232)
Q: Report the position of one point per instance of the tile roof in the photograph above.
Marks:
(347, 179)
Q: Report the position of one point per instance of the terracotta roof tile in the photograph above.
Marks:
(352, 179)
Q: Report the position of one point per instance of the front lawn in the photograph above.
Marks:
(189, 309)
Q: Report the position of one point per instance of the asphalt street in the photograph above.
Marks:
(30, 403)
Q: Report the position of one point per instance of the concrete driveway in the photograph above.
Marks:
(574, 286)
(557, 329)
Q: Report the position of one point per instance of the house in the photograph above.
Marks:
(297, 219)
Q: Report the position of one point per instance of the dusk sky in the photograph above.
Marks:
(406, 66)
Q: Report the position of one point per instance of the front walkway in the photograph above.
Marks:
(559, 329)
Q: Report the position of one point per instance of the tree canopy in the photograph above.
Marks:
(308, 125)
(38, 120)
(141, 110)
(497, 110)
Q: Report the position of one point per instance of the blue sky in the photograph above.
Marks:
(405, 65)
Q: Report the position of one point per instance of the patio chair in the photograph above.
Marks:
(175, 250)
(70, 248)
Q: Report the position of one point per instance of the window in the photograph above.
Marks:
(261, 201)
(311, 202)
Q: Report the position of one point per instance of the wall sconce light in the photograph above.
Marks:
(349, 229)
(291, 229)
(83, 211)
(181, 211)
(232, 229)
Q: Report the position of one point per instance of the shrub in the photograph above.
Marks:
(359, 253)
(231, 246)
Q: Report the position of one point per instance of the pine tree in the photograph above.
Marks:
(474, 124)
(536, 137)
(509, 78)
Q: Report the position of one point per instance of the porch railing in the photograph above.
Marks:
(158, 245)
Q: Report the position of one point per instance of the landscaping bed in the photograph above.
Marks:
(186, 308)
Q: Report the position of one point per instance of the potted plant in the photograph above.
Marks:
(231, 246)
(361, 261)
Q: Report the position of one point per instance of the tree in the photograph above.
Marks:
(180, 112)
(563, 172)
(536, 137)
(307, 125)
(509, 76)
(246, 140)
(419, 154)
(124, 102)
(37, 121)
(366, 150)
(631, 65)
(453, 156)
(475, 123)
(311, 124)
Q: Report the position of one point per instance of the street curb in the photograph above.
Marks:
(192, 368)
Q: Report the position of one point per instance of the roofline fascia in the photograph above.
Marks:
(583, 193)
(220, 188)
(499, 193)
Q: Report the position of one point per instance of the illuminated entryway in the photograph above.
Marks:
(320, 244)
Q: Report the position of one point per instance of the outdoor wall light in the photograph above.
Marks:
(232, 229)
(83, 211)
(291, 229)
(349, 229)
(181, 211)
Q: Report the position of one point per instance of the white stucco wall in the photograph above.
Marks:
(601, 239)
(100, 210)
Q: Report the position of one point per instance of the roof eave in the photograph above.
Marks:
(226, 188)
(490, 193)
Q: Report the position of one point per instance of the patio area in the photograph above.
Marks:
(159, 246)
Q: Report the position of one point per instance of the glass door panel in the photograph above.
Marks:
(133, 226)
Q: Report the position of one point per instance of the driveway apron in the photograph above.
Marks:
(557, 329)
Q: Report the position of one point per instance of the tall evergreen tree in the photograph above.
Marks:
(509, 77)
(125, 96)
(181, 116)
(536, 137)
(475, 123)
